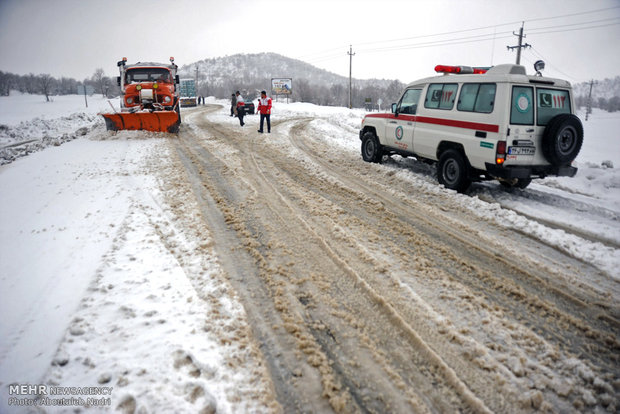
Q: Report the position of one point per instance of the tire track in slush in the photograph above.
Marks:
(421, 347)
(328, 316)
(217, 128)
(592, 322)
(531, 270)
(453, 229)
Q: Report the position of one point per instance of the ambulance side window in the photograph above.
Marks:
(441, 95)
(522, 106)
(409, 102)
(477, 97)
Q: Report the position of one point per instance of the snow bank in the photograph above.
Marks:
(29, 124)
(17, 108)
(58, 217)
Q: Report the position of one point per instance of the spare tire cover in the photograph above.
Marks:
(562, 139)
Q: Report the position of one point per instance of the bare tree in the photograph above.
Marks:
(303, 91)
(46, 82)
(339, 94)
(30, 83)
(67, 86)
(5, 83)
(100, 80)
(394, 91)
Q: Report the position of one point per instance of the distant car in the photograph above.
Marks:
(249, 107)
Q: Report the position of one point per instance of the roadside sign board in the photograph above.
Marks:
(281, 86)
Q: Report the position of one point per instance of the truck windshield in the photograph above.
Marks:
(148, 75)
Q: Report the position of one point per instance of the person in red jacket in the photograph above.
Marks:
(264, 108)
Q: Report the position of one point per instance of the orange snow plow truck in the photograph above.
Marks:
(149, 98)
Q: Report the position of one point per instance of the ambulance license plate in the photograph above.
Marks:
(521, 150)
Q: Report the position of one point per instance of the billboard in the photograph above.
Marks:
(89, 90)
(281, 86)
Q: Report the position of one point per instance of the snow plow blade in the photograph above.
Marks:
(156, 121)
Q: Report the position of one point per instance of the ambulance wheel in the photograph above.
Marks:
(453, 171)
(371, 149)
(562, 139)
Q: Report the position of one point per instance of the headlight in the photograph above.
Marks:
(167, 99)
(155, 86)
(138, 87)
(130, 100)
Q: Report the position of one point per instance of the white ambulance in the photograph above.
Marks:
(481, 124)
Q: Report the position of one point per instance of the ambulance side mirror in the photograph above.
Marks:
(393, 108)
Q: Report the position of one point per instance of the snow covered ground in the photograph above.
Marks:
(28, 123)
(93, 261)
(94, 269)
(579, 215)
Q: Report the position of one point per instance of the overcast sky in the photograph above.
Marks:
(578, 39)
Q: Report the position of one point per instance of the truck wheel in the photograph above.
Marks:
(562, 139)
(371, 149)
(453, 171)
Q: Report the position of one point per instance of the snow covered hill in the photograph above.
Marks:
(253, 72)
(602, 88)
(247, 68)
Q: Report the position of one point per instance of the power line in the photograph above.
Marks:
(462, 40)
(322, 52)
(575, 24)
(328, 57)
(483, 37)
(572, 14)
(552, 66)
(466, 39)
(488, 27)
(424, 45)
(578, 28)
(432, 35)
(323, 56)
(449, 42)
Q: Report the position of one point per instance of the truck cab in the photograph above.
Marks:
(148, 85)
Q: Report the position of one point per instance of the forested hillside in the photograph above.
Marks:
(251, 73)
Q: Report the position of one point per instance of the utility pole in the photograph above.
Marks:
(589, 104)
(351, 54)
(520, 45)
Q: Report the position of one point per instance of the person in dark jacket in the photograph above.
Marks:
(233, 105)
(264, 109)
(240, 108)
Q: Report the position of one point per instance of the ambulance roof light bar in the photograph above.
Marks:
(460, 70)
